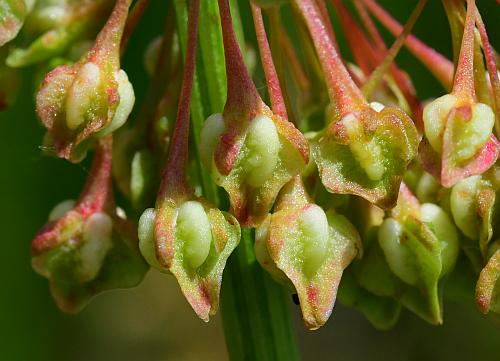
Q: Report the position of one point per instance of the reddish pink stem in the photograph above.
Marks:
(370, 26)
(441, 67)
(107, 44)
(273, 83)
(402, 81)
(361, 49)
(491, 65)
(343, 91)
(133, 20)
(97, 193)
(241, 91)
(174, 176)
(328, 24)
(464, 76)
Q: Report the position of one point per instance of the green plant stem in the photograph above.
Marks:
(255, 314)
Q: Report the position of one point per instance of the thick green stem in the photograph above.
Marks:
(255, 314)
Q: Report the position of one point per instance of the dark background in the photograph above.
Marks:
(153, 322)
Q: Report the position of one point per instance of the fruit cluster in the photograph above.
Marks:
(355, 187)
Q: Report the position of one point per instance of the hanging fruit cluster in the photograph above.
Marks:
(355, 187)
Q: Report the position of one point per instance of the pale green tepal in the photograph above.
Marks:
(420, 245)
(192, 241)
(307, 249)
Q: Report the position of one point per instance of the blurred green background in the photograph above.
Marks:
(153, 322)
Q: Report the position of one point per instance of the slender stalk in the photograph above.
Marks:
(402, 81)
(132, 21)
(376, 77)
(361, 49)
(464, 76)
(276, 31)
(197, 107)
(241, 91)
(370, 25)
(174, 179)
(492, 68)
(328, 24)
(441, 67)
(273, 84)
(343, 91)
(254, 309)
(96, 196)
(107, 43)
(98, 192)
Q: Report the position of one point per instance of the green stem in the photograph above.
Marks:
(255, 314)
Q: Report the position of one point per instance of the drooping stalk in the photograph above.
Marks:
(402, 81)
(241, 91)
(441, 67)
(133, 20)
(361, 49)
(370, 25)
(377, 76)
(198, 114)
(254, 308)
(108, 42)
(463, 85)
(492, 68)
(97, 190)
(275, 32)
(174, 179)
(341, 87)
(326, 20)
(273, 84)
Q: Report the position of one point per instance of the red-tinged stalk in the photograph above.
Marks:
(309, 56)
(241, 91)
(362, 50)
(328, 24)
(463, 86)
(96, 196)
(370, 26)
(174, 180)
(299, 75)
(376, 77)
(97, 192)
(440, 66)
(107, 44)
(399, 76)
(343, 91)
(275, 32)
(273, 84)
(492, 68)
(133, 20)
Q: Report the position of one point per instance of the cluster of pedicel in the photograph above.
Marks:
(354, 186)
